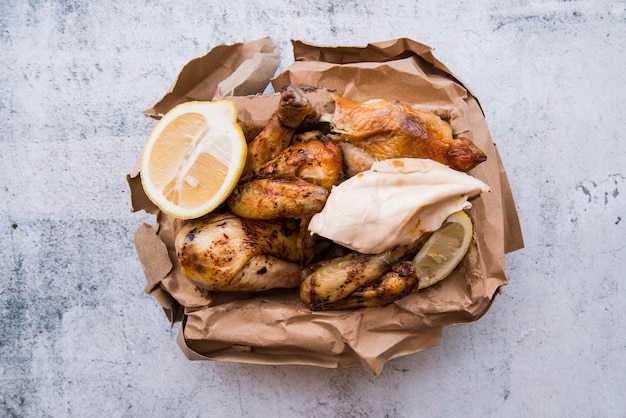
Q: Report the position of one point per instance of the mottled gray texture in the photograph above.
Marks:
(79, 337)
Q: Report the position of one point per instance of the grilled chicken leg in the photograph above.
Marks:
(293, 109)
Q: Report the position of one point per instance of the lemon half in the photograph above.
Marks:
(444, 249)
(193, 158)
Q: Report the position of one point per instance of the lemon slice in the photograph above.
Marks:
(444, 250)
(193, 158)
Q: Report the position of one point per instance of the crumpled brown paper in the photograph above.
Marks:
(227, 70)
(274, 327)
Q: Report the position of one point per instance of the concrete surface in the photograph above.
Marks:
(79, 337)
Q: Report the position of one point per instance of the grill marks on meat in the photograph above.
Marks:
(359, 280)
(230, 253)
(264, 242)
(400, 281)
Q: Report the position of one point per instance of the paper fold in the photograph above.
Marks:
(274, 327)
(239, 69)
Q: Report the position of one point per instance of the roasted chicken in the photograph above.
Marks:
(295, 184)
(292, 110)
(230, 253)
(385, 163)
(394, 129)
(360, 280)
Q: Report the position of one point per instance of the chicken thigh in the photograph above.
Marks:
(230, 253)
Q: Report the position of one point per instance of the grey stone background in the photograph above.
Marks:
(79, 337)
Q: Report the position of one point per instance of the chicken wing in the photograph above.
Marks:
(359, 280)
(293, 109)
(230, 253)
(394, 129)
(400, 281)
(295, 184)
(274, 198)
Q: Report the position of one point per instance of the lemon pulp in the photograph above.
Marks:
(444, 249)
(193, 158)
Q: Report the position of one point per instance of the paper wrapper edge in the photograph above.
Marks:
(237, 69)
(274, 327)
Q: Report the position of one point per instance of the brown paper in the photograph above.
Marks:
(274, 327)
(238, 69)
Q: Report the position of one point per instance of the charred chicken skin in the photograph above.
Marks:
(230, 253)
(394, 129)
(360, 280)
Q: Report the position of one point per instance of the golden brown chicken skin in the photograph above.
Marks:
(388, 129)
(295, 184)
(401, 280)
(292, 110)
(359, 280)
(274, 198)
(229, 253)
